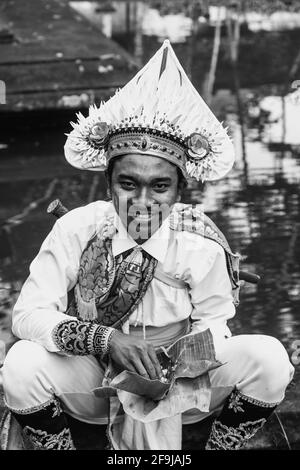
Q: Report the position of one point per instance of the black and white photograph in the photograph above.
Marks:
(149, 228)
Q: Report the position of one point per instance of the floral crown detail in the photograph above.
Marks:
(162, 116)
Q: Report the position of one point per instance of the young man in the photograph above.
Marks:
(145, 271)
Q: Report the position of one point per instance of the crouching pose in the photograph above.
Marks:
(122, 320)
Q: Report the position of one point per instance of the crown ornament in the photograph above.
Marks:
(158, 113)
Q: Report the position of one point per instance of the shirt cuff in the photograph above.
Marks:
(82, 338)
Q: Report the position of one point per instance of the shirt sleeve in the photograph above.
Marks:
(43, 299)
(211, 297)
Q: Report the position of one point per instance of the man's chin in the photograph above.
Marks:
(141, 230)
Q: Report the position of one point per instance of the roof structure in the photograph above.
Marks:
(51, 57)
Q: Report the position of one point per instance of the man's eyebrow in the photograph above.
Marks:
(123, 175)
(166, 179)
(154, 180)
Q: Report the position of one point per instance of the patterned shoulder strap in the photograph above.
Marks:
(185, 217)
(109, 289)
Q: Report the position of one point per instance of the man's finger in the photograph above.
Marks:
(155, 362)
(149, 367)
(151, 364)
(139, 368)
(129, 366)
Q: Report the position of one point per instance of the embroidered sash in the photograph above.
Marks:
(109, 289)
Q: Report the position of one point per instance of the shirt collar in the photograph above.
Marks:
(156, 246)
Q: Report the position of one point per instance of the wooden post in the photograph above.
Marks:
(233, 32)
(210, 81)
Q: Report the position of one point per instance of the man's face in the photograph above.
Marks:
(143, 189)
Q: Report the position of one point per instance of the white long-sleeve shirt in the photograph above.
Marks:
(199, 262)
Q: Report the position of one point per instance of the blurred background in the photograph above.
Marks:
(57, 57)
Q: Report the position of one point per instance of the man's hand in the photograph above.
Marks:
(134, 354)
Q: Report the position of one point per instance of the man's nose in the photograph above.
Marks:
(143, 198)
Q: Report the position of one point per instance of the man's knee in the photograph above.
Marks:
(271, 362)
(22, 366)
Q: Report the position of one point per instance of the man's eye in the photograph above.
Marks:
(160, 187)
(127, 185)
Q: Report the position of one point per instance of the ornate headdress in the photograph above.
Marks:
(158, 113)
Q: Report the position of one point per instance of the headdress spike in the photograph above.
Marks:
(161, 104)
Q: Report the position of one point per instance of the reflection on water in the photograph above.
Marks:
(257, 205)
